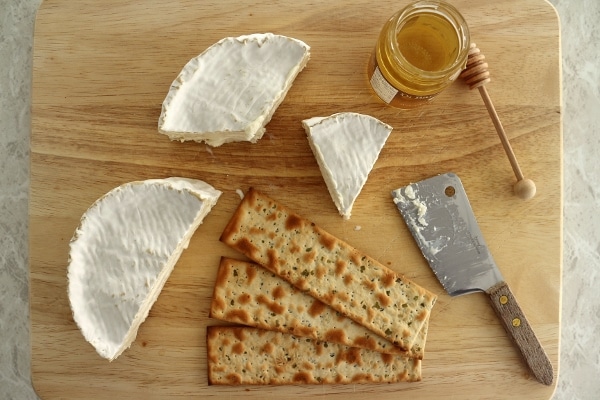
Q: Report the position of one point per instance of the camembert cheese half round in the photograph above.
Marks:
(346, 146)
(124, 250)
(230, 91)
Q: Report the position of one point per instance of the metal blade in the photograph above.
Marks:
(439, 216)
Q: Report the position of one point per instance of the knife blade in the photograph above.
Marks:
(440, 218)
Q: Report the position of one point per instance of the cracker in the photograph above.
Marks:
(246, 293)
(251, 356)
(329, 269)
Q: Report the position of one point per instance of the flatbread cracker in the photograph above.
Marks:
(251, 356)
(248, 294)
(329, 269)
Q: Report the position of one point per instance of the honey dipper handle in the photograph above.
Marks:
(476, 75)
(503, 138)
(524, 188)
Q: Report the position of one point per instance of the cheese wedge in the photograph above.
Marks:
(230, 91)
(124, 250)
(346, 146)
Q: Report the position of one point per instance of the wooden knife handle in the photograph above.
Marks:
(519, 330)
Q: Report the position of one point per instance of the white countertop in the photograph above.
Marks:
(579, 375)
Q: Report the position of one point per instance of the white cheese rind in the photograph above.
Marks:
(124, 250)
(230, 91)
(346, 147)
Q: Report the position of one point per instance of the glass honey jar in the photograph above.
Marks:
(420, 51)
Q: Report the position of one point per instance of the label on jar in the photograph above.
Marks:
(382, 87)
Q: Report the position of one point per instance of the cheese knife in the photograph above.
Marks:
(441, 220)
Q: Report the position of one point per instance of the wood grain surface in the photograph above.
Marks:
(101, 72)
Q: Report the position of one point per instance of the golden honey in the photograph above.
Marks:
(420, 51)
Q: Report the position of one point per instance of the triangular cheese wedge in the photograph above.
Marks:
(124, 250)
(230, 91)
(346, 146)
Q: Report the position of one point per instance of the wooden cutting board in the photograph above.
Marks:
(101, 72)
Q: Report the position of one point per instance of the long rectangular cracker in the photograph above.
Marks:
(251, 356)
(328, 269)
(246, 293)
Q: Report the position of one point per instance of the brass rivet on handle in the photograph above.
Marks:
(503, 300)
(516, 322)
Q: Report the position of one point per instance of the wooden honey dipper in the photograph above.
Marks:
(476, 75)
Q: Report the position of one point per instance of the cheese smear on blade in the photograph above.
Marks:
(346, 146)
(124, 250)
(230, 91)
(418, 224)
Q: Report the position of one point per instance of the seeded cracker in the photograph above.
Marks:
(250, 356)
(329, 269)
(248, 294)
